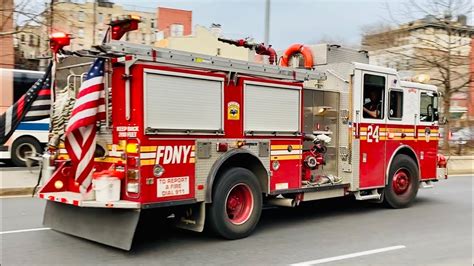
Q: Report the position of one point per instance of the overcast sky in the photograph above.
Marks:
(302, 21)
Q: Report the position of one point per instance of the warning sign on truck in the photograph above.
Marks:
(173, 186)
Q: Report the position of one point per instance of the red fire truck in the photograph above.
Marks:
(211, 139)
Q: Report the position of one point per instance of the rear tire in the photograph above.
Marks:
(237, 204)
(21, 147)
(403, 182)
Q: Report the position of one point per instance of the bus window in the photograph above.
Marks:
(22, 81)
(428, 107)
(374, 91)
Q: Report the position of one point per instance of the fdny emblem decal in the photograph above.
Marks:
(173, 154)
(233, 111)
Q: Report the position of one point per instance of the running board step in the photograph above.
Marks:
(373, 195)
(427, 184)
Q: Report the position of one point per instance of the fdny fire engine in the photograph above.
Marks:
(211, 139)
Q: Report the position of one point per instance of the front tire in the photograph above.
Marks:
(403, 182)
(21, 147)
(237, 204)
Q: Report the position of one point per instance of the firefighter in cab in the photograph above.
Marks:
(372, 107)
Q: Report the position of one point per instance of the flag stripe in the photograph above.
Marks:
(34, 113)
(40, 102)
(8, 121)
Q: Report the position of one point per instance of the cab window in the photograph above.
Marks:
(396, 105)
(374, 91)
(428, 107)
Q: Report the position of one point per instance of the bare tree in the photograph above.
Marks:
(32, 12)
(34, 19)
(437, 44)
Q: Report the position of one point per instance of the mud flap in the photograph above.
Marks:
(113, 227)
(192, 218)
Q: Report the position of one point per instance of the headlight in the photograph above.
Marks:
(158, 170)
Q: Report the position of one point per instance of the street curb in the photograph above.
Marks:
(20, 191)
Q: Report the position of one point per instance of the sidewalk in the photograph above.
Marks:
(17, 181)
(460, 165)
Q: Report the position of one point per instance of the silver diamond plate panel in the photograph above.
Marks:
(203, 166)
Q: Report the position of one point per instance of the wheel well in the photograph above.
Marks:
(405, 151)
(244, 160)
(25, 137)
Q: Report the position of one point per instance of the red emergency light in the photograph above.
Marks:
(122, 25)
(58, 40)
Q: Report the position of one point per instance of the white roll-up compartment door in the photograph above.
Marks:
(182, 102)
(271, 108)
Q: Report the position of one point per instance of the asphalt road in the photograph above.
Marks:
(436, 230)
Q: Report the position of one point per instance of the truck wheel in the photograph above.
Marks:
(236, 205)
(21, 147)
(403, 183)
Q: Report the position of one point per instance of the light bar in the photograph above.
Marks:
(123, 24)
(57, 40)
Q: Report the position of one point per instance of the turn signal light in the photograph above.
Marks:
(132, 161)
(132, 148)
(222, 147)
(240, 143)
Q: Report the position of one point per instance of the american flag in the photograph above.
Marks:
(34, 105)
(81, 130)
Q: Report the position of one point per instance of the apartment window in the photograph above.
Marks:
(81, 16)
(374, 91)
(396, 105)
(100, 18)
(159, 36)
(143, 37)
(80, 33)
(31, 40)
(22, 38)
(176, 30)
(152, 24)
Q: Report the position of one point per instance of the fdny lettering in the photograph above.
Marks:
(173, 154)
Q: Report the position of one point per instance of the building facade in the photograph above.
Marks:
(204, 41)
(174, 22)
(416, 47)
(86, 21)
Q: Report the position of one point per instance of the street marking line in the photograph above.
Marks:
(348, 256)
(24, 230)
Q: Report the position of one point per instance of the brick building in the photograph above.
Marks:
(471, 86)
(6, 53)
(174, 22)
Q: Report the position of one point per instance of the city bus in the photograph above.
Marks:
(29, 137)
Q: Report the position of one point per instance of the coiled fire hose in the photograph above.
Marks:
(62, 109)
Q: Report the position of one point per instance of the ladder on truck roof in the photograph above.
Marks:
(168, 56)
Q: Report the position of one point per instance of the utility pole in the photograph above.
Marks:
(51, 17)
(94, 22)
(267, 22)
